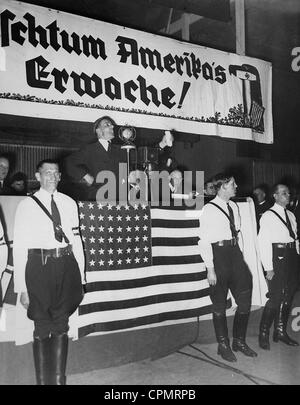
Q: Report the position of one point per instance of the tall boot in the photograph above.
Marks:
(41, 356)
(59, 351)
(239, 344)
(224, 349)
(280, 326)
(266, 321)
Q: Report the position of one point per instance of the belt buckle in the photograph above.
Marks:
(221, 243)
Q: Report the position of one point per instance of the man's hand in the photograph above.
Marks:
(211, 276)
(270, 275)
(24, 299)
(88, 179)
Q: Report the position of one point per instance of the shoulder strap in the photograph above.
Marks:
(221, 209)
(49, 215)
(42, 206)
(281, 219)
(225, 213)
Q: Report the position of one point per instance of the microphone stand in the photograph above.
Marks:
(128, 147)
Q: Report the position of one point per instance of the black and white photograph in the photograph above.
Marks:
(149, 195)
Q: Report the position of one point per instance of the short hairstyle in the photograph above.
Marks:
(220, 179)
(44, 161)
(264, 187)
(18, 176)
(3, 156)
(208, 181)
(97, 122)
(276, 187)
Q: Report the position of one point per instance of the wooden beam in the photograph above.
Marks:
(185, 28)
(240, 47)
(176, 26)
(169, 21)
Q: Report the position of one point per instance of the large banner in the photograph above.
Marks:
(58, 65)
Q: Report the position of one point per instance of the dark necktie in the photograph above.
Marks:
(232, 226)
(109, 147)
(289, 225)
(56, 220)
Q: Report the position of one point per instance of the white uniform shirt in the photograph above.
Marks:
(272, 230)
(215, 226)
(3, 251)
(34, 229)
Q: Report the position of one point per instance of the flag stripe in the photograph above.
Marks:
(162, 260)
(149, 281)
(173, 214)
(174, 251)
(174, 232)
(111, 275)
(146, 291)
(256, 114)
(136, 302)
(170, 223)
(146, 320)
(144, 310)
(188, 241)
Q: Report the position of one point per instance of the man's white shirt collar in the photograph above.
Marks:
(46, 195)
(278, 208)
(104, 143)
(218, 200)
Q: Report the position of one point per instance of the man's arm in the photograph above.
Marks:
(20, 249)
(77, 244)
(265, 246)
(3, 251)
(205, 245)
(76, 166)
(204, 237)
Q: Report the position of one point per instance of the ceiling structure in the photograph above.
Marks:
(272, 30)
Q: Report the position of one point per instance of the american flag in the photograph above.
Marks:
(256, 115)
(143, 267)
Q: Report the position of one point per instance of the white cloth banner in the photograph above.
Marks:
(63, 66)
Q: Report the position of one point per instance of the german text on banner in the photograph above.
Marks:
(58, 65)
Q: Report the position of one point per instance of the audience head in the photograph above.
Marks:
(281, 194)
(48, 174)
(260, 193)
(225, 185)
(18, 183)
(4, 167)
(209, 188)
(104, 128)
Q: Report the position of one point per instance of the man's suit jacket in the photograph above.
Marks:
(91, 159)
(5, 189)
(164, 155)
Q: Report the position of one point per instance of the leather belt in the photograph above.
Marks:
(228, 242)
(290, 245)
(51, 253)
